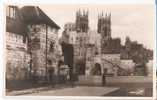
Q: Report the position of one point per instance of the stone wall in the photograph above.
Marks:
(110, 61)
(38, 48)
(17, 65)
(72, 37)
(17, 58)
(80, 52)
(79, 47)
(90, 53)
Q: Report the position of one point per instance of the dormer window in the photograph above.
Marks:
(11, 11)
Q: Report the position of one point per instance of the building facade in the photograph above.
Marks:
(93, 50)
(17, 57)
(69, 33)
(110, 47)
(43, 41)
(104, 28)
(68, 27)
(108, 44)
(33, 37)
(96, 51)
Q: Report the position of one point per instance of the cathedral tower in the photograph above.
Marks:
(104, 28)
(104, 25)
(82, 21)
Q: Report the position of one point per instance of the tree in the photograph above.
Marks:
(140, 59)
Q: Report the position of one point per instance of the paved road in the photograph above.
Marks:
(132, 89)
(140, 90)
(76, 91)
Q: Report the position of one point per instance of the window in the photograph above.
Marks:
(37, 29)
(43, 28)
(51, 47)
(49, 62)
(11, 12)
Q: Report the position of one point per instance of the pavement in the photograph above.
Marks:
(115, 81)
(130, 79)
(118, 86)
(67, 91)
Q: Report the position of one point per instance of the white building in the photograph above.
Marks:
(72, 37)
(128, 65)
(69, 27)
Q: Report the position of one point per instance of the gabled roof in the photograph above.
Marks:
(34, 15)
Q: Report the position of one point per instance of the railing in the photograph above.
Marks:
(115, 65)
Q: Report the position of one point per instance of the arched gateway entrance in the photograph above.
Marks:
(97, 69)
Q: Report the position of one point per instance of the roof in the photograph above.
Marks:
(34, 15)
(16, 25)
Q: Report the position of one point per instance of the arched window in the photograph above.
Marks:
(97, 69)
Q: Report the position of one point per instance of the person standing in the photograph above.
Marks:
(104, 77)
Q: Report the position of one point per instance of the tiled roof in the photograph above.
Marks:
(16, 25)
(24, 16)
(33, 14)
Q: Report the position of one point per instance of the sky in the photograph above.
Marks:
(135, 21)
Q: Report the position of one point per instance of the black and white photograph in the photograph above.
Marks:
(94, 50)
